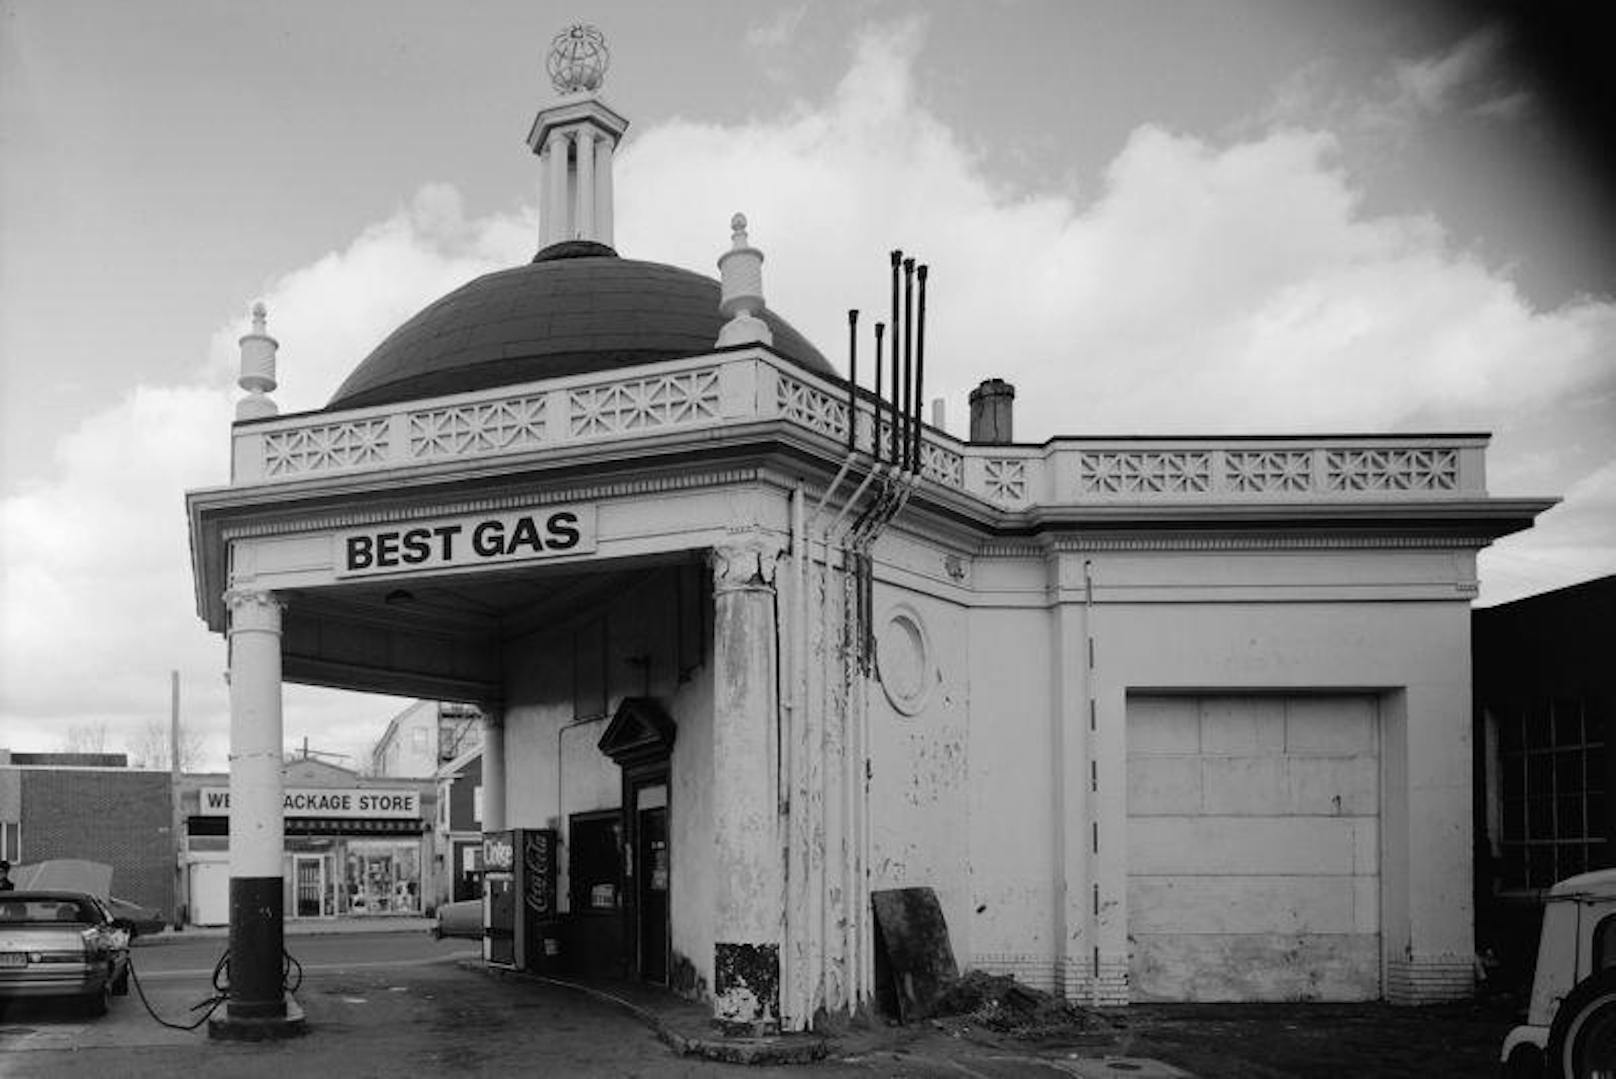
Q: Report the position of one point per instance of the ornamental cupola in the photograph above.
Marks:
(574, 140)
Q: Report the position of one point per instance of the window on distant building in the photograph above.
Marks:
(1552, 821)
(11, 841)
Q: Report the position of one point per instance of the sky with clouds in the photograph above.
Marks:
(1152, 218)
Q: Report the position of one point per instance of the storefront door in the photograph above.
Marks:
(309, 877)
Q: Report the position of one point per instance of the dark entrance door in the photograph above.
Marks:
(652, 882)
(640, 739)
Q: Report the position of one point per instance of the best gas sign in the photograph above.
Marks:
(472, 540)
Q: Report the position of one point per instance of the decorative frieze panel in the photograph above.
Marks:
(1006, 479)
(745, 388)
(1268, 471)
(1434, 469)
(942, 465)
(1145, 472)
(490, 427)
(644, 404)
(301, 450)
(813, 408)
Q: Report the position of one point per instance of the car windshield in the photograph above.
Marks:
(20, 911)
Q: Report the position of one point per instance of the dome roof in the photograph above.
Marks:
(576, 308)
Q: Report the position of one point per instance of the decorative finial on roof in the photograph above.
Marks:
(257, 368)
(741, 270)
(578, 60)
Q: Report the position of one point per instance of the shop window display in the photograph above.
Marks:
(383, 877)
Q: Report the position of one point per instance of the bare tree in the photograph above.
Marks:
(85, 738)
(149, 748)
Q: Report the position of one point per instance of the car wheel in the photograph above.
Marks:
(1525, 1062)
(1582, 1039)
(97, 1003)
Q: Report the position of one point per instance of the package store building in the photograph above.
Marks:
(1154, 718)
(353, 846)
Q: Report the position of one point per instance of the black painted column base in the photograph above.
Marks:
(746, 989)
(258, 1006)
(224, 1025)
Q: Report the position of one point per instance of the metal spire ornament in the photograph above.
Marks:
(578, 60)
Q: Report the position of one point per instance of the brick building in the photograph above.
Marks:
(91, 807)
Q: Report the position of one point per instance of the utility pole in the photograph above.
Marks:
(176, 829)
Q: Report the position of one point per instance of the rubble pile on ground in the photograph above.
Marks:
(1002, 1004)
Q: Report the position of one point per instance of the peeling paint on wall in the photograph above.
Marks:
(746, 987)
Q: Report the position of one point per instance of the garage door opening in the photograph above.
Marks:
(1254, 848)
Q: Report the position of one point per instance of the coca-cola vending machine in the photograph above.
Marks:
(519, 899)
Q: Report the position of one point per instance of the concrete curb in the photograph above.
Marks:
(783, 1049)
(192, 934)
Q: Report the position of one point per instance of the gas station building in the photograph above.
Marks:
(1154, 718)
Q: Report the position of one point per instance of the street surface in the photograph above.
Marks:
(398, 1003)
(395, 1004)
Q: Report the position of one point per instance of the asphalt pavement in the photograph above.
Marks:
(387, 1004)
(389, 1001)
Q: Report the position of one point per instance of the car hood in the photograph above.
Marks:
(64, 875)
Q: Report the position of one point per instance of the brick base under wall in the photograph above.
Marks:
(1105, 987)
(1037, 971)
(1427, 979)
(1430, 979)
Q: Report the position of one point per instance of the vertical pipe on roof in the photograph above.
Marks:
(920, 363)
(908, 370)
(875, 426)
(897, 260)
(852, 380)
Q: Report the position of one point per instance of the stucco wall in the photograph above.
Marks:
(1413, 656)
(1010, 917)
(919, 786)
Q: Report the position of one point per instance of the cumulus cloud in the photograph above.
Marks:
(1209, 285)
(1431, 83)
(95, 563)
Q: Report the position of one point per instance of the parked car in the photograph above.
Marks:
(462, 918)
(91, 878)
(1570, 1028)
(140, 921)
(61, 944)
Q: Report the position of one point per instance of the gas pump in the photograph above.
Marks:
(499, 899)
(519, 899)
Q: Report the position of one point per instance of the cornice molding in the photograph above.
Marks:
(1069, 544)
(421, 506)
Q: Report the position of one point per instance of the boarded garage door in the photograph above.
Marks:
(1253, 848)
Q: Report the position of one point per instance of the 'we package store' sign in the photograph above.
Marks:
(348, 802)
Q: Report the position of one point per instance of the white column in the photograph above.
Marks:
(584, 209)
(749, 888)
(493, 768)
(555, 152)
(545, 239)
(603, 191)
(257, 826)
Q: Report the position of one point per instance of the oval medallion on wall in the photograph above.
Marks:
(903, 661)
